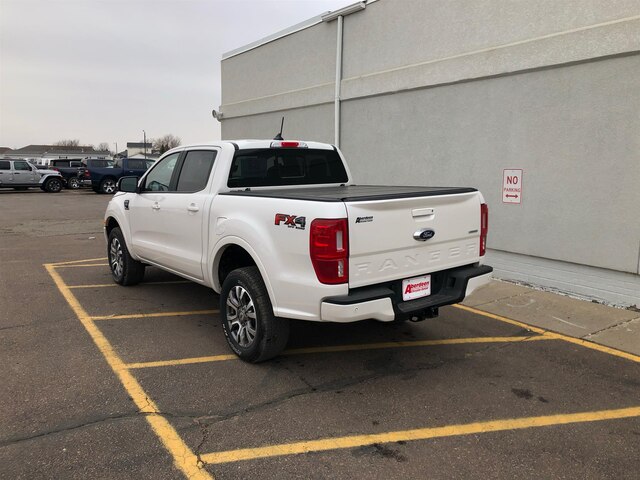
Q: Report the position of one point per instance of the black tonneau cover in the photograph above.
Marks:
(352, 193)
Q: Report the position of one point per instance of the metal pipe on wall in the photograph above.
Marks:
(329, 17)
(336, 140)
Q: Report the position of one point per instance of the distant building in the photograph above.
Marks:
(43, 154)
(4, 150)
(134, 148)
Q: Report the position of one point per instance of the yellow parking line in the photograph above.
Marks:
(559, 336)
(501, 319)
(417, 434)
(183, 458)
(344, 348)
(104, 285)
(59, 264)
(154, 315)
(82, 265)
(182, 361)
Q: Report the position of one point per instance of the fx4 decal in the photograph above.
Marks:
(291, 221)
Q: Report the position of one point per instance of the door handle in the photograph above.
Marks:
(155, 206)
(193, 208)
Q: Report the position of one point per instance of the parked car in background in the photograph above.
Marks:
(103, 175)
(20, 175)
(83, 172)
(68, 168)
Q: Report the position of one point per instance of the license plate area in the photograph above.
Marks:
(416, 287)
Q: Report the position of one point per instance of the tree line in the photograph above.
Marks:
(160, 144)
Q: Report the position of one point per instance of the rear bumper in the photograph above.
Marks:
(384, 302)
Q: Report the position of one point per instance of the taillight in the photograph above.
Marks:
(329, 250)
(484, 227)
(288, 144)
(87, 174)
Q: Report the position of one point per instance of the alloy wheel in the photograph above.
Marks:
(241, 315)
(116, 258)
(109, 186)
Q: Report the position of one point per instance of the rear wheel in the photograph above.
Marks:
(73, 183)
(108, 185)
(53, 185)
(124, 269)
(253, 332)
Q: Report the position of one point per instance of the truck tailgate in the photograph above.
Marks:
(382, 246)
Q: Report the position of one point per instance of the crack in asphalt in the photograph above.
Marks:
(205, 422)
(109, 418)
(208, 421)
(621, 324)
(500, 299)
(22, 325)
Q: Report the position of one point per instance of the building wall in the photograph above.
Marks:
(453, 92)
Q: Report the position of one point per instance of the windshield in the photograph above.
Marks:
(270, 167)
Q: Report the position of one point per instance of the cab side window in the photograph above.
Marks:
(159, 178)
(21, 166)
(5, 165)
(195, 170)
(137, 165)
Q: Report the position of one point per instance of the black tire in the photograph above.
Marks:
(53, 185)
(73, 183)
(124, 269)
(108, 185)
(270, 333)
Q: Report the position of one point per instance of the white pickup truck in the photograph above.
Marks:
(280, 230)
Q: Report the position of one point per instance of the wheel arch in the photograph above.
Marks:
(110, 222)
(48, 176)
(238, 254)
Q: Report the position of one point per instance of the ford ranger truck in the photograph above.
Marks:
(281, 232)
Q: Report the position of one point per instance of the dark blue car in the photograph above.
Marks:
(103, 175)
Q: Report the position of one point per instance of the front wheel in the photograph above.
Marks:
(253, 332)
(108, 185)
(53, 185)
(124, 269)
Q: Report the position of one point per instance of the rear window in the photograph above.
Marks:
(101, 163)
(270, 167)
(5, 165)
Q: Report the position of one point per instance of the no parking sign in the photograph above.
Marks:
(512, 186)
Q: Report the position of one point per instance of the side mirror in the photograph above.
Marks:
(128, 184)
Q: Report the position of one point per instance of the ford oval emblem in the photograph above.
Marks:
(424, 234)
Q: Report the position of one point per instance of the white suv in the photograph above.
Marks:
(20, 175)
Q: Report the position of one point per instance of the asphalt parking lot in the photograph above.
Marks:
(102, 381)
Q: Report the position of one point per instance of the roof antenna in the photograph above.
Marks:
(279, 135)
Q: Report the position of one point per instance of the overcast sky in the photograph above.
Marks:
(102, 71)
